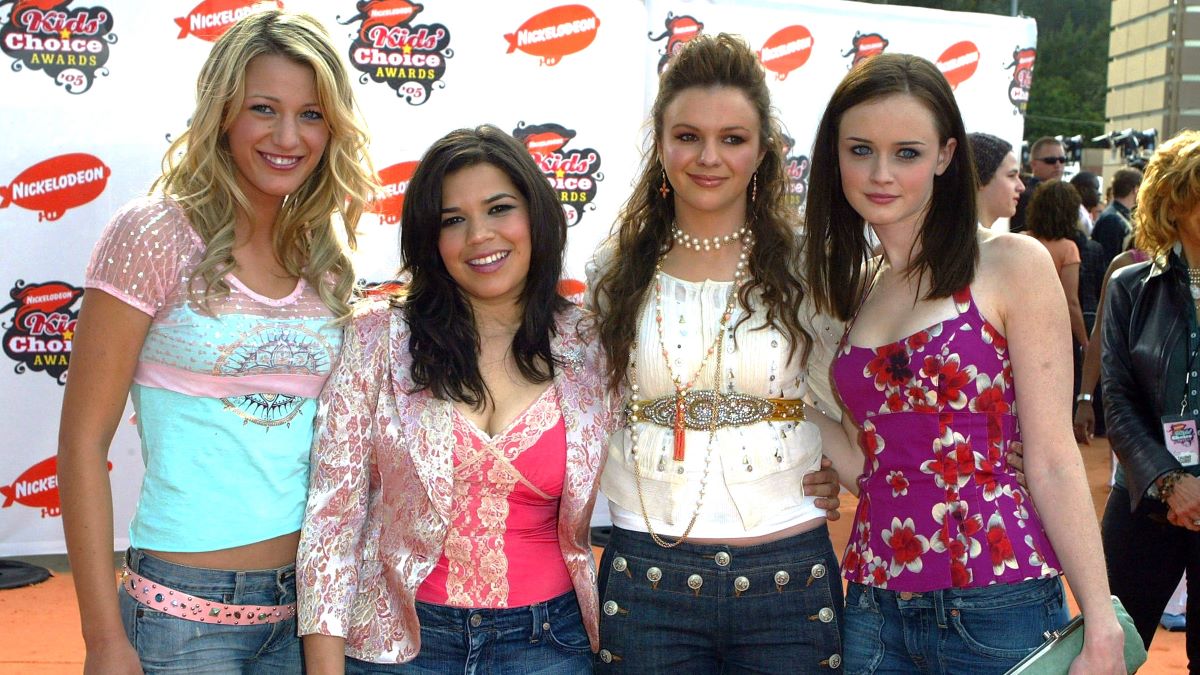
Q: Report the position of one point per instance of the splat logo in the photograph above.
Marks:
(54, 185)
(555, 33)
(864, 46)
(39, 336)
(70, 44)
(389, 48)
(572, 173)
(395, 183)
(959, 62)
(1022, 77)
(37, 488)
(680, 29)
(210, 19)
(786, 50)
(797, 168)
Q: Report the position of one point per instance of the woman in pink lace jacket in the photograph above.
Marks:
(459, 441)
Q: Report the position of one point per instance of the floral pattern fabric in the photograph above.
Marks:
(939, 506)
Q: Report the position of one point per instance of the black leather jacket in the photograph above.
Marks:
(1144, 365)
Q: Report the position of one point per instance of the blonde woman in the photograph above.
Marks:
(214, 302)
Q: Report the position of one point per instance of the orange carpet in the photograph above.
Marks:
(39, 625)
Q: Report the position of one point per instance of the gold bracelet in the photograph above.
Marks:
(1166, 484)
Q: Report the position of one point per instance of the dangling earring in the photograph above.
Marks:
(754, 188)
(664, 189)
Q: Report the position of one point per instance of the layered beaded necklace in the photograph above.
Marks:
(1194, 283)
(704, 243)
(681, 389)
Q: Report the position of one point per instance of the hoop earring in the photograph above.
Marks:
(664, 189)
(754, 188)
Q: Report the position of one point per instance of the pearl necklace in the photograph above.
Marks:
(705, 243)
(718, 347)
(1194, 283)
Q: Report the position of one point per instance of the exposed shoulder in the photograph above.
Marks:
(1013, 253)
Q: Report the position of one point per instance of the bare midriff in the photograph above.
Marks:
(799, 528)
(261, 555)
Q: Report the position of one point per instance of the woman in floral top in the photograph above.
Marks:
(951, 568)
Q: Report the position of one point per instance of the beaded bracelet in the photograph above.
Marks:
(1166, 484)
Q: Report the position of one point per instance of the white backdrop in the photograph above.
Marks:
(93, 92)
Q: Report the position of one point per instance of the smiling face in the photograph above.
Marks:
(998, 199)
(484, 239)
(279, 134)
(888, 156)
(710, 149)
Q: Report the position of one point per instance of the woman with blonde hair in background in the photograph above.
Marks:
(214, 302)
(1150, 353)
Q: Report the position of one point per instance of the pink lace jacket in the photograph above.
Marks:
(379, 494)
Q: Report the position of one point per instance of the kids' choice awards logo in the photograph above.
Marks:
(70, 44)
(786, 50)
(1022, 77)
(39, 336)
(54, 185)
(388, 47)
(572, 174)
(210, 19)
(394, 180)
(864, 46)
(555, 33)
(797, 168)
(680, 30)
(959, 62)
(37, 488)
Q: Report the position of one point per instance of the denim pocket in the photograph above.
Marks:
(567, 632)
(1012, 622)
(862, 640)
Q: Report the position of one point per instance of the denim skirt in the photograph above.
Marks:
(168, 644)
(545, 638)
(971, 630)
(697, 609)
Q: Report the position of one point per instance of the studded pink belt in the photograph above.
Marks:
(184, 606)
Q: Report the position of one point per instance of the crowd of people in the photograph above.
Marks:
(404, 484)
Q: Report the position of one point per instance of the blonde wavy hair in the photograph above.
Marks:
(1170, 190)
(199, 172)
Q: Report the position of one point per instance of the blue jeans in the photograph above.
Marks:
(973, 630)
(545, 638)
(704, 609)
(168, 644)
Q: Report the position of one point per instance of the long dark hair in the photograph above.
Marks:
(644, 224)
(444, 342)
(836, 245)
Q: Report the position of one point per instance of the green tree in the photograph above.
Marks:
(1070, 74)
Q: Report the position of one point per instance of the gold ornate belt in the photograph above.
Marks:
(732, 410)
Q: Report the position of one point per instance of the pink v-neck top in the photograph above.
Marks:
(225, 398)
(502, 549)
(939, 506)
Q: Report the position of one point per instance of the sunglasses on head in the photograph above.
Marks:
(1053, 160)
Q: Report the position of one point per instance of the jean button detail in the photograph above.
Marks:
(475, 620)
(695, 581)
(654, 574)
(610, 607)
(825, 615)
(741, 584)
(818, 571)
(782, 578)
(722, 559)
(619, 564)
(545, 625)
(605, 656)
(835, 661)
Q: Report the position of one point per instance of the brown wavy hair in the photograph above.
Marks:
(644, 224)
(1053, 211)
